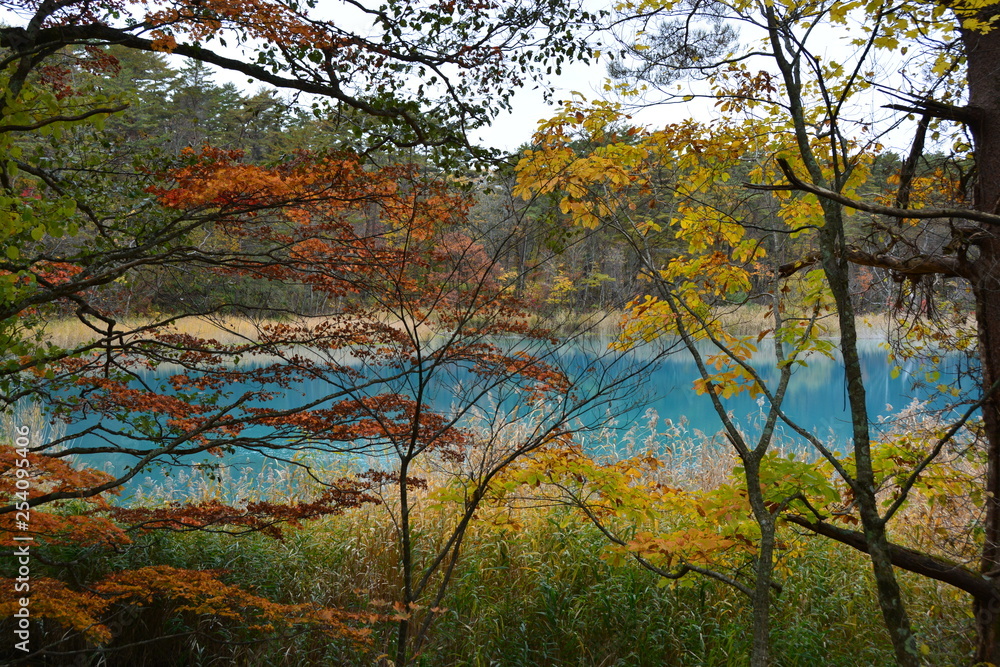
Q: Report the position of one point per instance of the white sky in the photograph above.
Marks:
(510, 131)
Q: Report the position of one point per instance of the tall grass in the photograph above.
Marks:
(535, 590)
(542, 595)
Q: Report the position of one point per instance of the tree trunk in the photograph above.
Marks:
(982, 53)
(987, 292)
(890, 599)
(406, 558)
(764, 568)
(402, 638)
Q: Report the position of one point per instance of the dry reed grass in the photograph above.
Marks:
(69, 332)
(229, 329)
(744, 321)
(751, 320)
(28, 414)
(224, 329)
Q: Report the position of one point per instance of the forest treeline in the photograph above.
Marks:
(171, 113)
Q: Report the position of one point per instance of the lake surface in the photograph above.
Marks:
(817, 399)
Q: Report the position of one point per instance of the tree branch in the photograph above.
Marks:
(908, 559)
(917, 265)
(62, 119)
(917, 214)
(65, 35)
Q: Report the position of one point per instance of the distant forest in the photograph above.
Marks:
(556, 265)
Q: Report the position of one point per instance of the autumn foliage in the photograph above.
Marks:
(98, 525)
(418, 298)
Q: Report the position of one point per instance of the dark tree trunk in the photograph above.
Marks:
(987, 292)
(983, 73)
(764, 568)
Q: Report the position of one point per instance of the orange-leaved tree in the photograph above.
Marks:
(55, 605)
(433, 375)
(423, 365)
(401, 75)
(377, 248)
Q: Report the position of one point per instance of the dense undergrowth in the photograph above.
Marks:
(532, 590)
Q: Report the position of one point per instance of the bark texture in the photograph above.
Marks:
(983, 72)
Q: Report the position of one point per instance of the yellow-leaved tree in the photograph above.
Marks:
(783, 173)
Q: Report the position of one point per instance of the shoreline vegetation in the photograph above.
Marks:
(229, 329)
(536, 584)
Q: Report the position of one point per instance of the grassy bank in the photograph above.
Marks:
(67, 332)
(532, 589)
(748, 321)
(542, 595)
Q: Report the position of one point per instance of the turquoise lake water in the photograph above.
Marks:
(663, 400)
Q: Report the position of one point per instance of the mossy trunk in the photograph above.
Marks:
(764, 568)
(890, 599)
